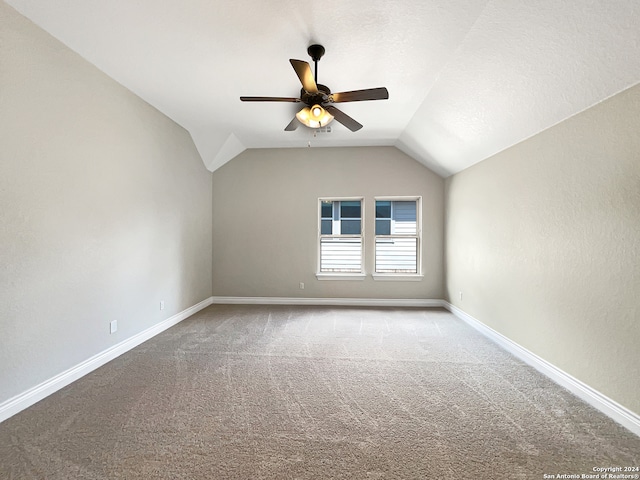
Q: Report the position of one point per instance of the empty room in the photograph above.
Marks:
(317, 240)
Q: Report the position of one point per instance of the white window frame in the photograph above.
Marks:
(403, 277)
(341, 275)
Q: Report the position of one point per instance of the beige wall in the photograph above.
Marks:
(265, 218)
(105, 210)
(543, 240)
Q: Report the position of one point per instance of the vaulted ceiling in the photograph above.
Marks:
(466, 78)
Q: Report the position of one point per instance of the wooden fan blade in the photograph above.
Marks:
(269, 99)
(303, 70)
(343, 118)
(359, 95)
(292, 126)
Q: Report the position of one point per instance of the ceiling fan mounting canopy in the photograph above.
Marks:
(319, 100)
(316, 52)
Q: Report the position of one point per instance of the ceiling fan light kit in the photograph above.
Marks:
(314, 117)
(318, 99)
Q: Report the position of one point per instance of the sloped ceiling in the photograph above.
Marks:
(466, 78)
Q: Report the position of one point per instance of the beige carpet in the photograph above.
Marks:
(278, 392)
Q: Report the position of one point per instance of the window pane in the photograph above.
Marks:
(396, 255)
(325, 227)
(350, 227)
(350, 209)
(327, 208)
(383, 209)
(341, 255)
(404, 216)
(383, 227)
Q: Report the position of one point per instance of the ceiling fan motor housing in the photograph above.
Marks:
(315, 98)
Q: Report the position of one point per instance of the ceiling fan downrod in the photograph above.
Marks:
(316, 52)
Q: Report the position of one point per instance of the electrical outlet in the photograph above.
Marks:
(301, 286)
(161, 304)
(460, 295)
(113, 326)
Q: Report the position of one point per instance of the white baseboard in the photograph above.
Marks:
(23, 400)
(611, 408)
(354, 302)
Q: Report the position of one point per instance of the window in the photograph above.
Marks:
(340, 236)
(397, 236)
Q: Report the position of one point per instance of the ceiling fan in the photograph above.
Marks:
(318, 99)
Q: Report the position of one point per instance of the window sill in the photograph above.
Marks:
(340, 276)
(397, 277)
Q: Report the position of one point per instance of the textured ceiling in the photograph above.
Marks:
(466, 78)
